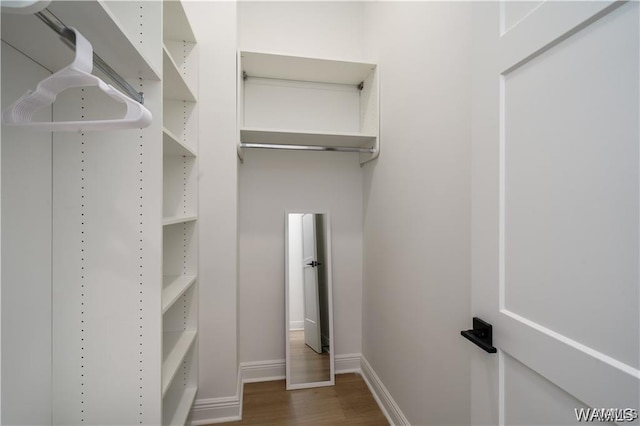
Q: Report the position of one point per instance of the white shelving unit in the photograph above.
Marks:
(291, 102)
(105, 187)
(180, 257)
(107, 230)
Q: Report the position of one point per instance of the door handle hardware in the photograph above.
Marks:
(313, 264)
(481, 335)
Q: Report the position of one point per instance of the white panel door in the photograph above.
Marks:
(310, 275)
(555, 211)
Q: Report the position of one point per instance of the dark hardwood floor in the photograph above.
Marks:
(306, 364)
(349, 402)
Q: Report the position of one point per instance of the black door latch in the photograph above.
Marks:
(481, 335)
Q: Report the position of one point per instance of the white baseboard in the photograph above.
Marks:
(347, 363)
(382, 396)
(227, 409)
(218, 410)
(262, 371)
(296, 325)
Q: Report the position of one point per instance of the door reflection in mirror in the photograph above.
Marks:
(309, 324)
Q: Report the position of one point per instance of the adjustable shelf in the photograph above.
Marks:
(174, 287)
(292, 137)
(175, 348)
(182, 406)
(298, 68)
(290, 102)
(172, 146)
(173, 83)
(181, 393)
(173, 220)
(175, 25)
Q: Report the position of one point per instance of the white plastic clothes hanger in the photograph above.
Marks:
(77, 74)
(23, 7)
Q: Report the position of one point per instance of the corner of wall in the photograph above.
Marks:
(385, 401)
(218, 410)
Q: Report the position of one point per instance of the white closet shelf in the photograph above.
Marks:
(174, 287)
(173, 84)
(298, 68)
(175, 346)
(175, 23)
(172, 220)
(297, 137)
(173, 146)
(96, 22)
(270, 113)
(184, 407)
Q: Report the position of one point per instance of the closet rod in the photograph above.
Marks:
(308, 147)
(69, 38)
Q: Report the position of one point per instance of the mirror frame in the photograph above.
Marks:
(329, 272)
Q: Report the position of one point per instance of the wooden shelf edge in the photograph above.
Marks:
(178, 286)
(171, 364)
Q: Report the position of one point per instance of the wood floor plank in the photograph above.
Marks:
(348, 403)
(307, 366)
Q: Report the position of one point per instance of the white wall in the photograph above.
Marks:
(416, 296)
(304, 28)
(214, 25)
(272, 182)
(296, 276)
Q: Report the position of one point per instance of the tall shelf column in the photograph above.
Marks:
(180, 215)
(116, 255)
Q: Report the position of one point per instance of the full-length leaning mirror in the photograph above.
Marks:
(309, 305)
